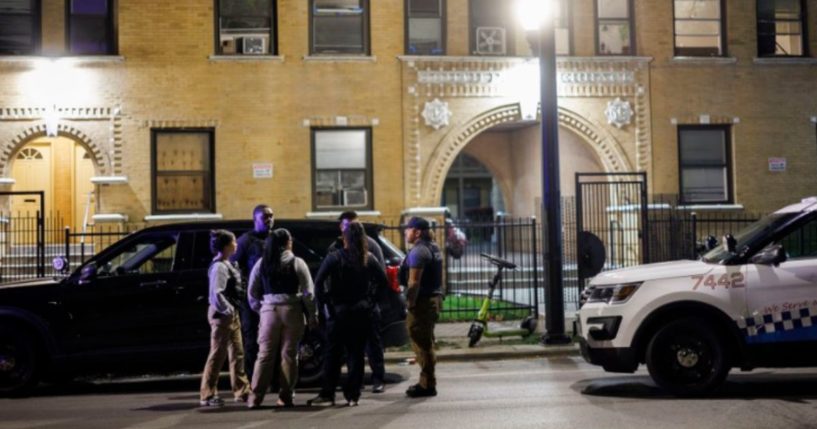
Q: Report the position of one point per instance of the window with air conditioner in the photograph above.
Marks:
(492, 27)
(339, 27)
(246, 27)
(342, 168)
(19, 27)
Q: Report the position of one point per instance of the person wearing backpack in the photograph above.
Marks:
(346, 285)
(281, 291)
(225, 325)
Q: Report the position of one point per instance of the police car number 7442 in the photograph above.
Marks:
(749, 303)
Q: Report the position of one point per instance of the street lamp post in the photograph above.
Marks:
(535, 15)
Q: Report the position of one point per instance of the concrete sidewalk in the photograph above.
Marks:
(452, 345)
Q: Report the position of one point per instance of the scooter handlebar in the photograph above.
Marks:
(498, 262)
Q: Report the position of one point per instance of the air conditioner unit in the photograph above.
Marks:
(490, 41)
(254, 45)
(354, 197)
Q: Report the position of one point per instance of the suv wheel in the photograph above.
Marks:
(18, 362)
(310, 357)
(687, 358)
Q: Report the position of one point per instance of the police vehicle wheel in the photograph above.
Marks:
(687, 358)
(474, 334)
(19, 370)
(310, 357)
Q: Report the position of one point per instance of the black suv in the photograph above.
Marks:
(140, 306)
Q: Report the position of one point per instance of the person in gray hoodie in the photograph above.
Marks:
(225, 325)
(281, 290)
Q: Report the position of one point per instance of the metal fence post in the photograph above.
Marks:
(68, 248)
(694, 217)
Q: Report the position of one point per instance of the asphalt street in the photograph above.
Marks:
(555, 392)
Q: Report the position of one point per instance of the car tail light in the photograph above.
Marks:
(391, 274)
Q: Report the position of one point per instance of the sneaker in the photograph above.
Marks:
(352, 403)
(417, 391)
(213, 401)
(242, 399)
(378, 387)
(320, 401)
(283, 403)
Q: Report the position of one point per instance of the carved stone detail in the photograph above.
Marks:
(436, 113)
(619, 113)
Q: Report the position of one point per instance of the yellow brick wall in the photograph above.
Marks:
(258, 107)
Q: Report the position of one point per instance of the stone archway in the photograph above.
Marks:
(10, 148)
(62, 166)
(608, 149)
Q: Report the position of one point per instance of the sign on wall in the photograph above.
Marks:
(777, 164)
(262, 170)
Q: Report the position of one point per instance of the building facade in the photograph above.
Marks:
(147, 110)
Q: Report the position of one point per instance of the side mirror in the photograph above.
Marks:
(88, 273)
(710, 242)
(773, 255)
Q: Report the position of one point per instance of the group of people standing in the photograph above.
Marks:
(258, 328)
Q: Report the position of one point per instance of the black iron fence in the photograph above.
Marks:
(467, 276)
(674, 232)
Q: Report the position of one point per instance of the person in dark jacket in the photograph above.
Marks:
(374, 345)
(249, 251)
(345, 287)
(424, 265)
(225, 326)
(281, 291)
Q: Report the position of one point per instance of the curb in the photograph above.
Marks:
(492, 353)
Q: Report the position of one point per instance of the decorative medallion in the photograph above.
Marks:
(436, 114)
(619, 112)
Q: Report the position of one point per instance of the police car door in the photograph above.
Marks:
(782, 299)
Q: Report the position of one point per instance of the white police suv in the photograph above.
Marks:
(750, 302)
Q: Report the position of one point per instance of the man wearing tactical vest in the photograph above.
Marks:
(424, 268)
(250, 247)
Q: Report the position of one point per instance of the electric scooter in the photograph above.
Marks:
(480, 325)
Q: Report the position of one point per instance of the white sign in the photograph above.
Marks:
(777, 164)
(262, 171)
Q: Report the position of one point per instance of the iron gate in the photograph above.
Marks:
(23, 239)
(611, 222)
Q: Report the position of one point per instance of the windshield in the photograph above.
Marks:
(749, 235)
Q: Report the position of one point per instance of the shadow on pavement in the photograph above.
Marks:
(187, 386)
(759, 385)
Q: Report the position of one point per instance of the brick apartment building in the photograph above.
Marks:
(147, 110)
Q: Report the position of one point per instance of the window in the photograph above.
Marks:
(183, 166)
(89, 27)
(19, 26)
(563, 27)
(492, 27)
(802, 242)
(246, 27)
(780, 28)
(614, 27)
(704, 157)
(339, 27)
(342, 168)
(425, 27)
(151, 254)
(699, 28)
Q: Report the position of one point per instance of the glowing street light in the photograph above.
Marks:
(536, 16)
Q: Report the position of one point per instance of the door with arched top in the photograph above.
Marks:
(62, 168)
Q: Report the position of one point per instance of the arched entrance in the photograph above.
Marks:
(471, 190)
(60, 166)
